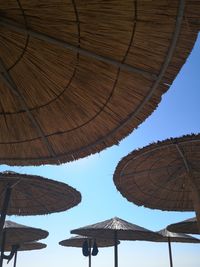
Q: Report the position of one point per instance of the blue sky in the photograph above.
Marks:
(177, 114)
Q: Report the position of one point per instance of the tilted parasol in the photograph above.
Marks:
(78, 76)
(79, 241)
(164, 175)
(169, 237)
(17, 234)
(26, 246)
(116, 229)
(188, 226)
(23, 247)
(22, 194)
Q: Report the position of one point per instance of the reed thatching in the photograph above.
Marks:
(176, 237)
(18, 234)
(35, 195)
(78, 76)
(26, 246)
(77, 241)
(188, 226)
(159, 176)
(109, 228)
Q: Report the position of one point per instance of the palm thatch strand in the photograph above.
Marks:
(164, 175)
(78, 76)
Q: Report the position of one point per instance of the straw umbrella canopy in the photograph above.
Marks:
(26, 246)
(163, 175)
(169, 237)
(80, 76)
(18, 234)
(22, 194)
(116, 229)
(78, 241)
(14, 233)
(188, 226)
(23, 247)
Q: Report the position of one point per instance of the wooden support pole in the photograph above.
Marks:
(15, 259)
(3, 240)
(4, 209)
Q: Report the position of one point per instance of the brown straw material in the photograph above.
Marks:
(78, 76)
(26, 246)
(188, 226)
(35, 195)
(159, 176)
(108, 229)
(77, 241)
(17, 233)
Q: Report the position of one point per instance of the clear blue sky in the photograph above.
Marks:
(177, 114)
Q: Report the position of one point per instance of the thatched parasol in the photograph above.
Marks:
(164, 175)
(77, 77)
(188, 226)
(169, 237)
(116, 229)
(22, 194)
(78, 241)
(26, 246)
(22, 247)
(14, 233)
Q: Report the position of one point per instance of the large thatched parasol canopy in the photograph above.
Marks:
(164, 175)
(167, 236)
(18, 234)
(188, 226)
(92, 244)
(116, 229)
(77, 241)
(21, 247)
(35, 195)
(78, 76)
(26, 246)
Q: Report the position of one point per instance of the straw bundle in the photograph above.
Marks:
(35, 195)
(158, 176)
(78, 76)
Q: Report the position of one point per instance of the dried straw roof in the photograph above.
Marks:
(77, 241)
(176, 237)
(156, 175)
(188, 226)
(26, 246)
(78, 76)
(17, 233)
(107, 229)
(35, 195)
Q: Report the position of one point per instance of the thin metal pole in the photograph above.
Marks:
(170, 252)
(2, 247)
(89, 259)
(116, 250)
(15, 259)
